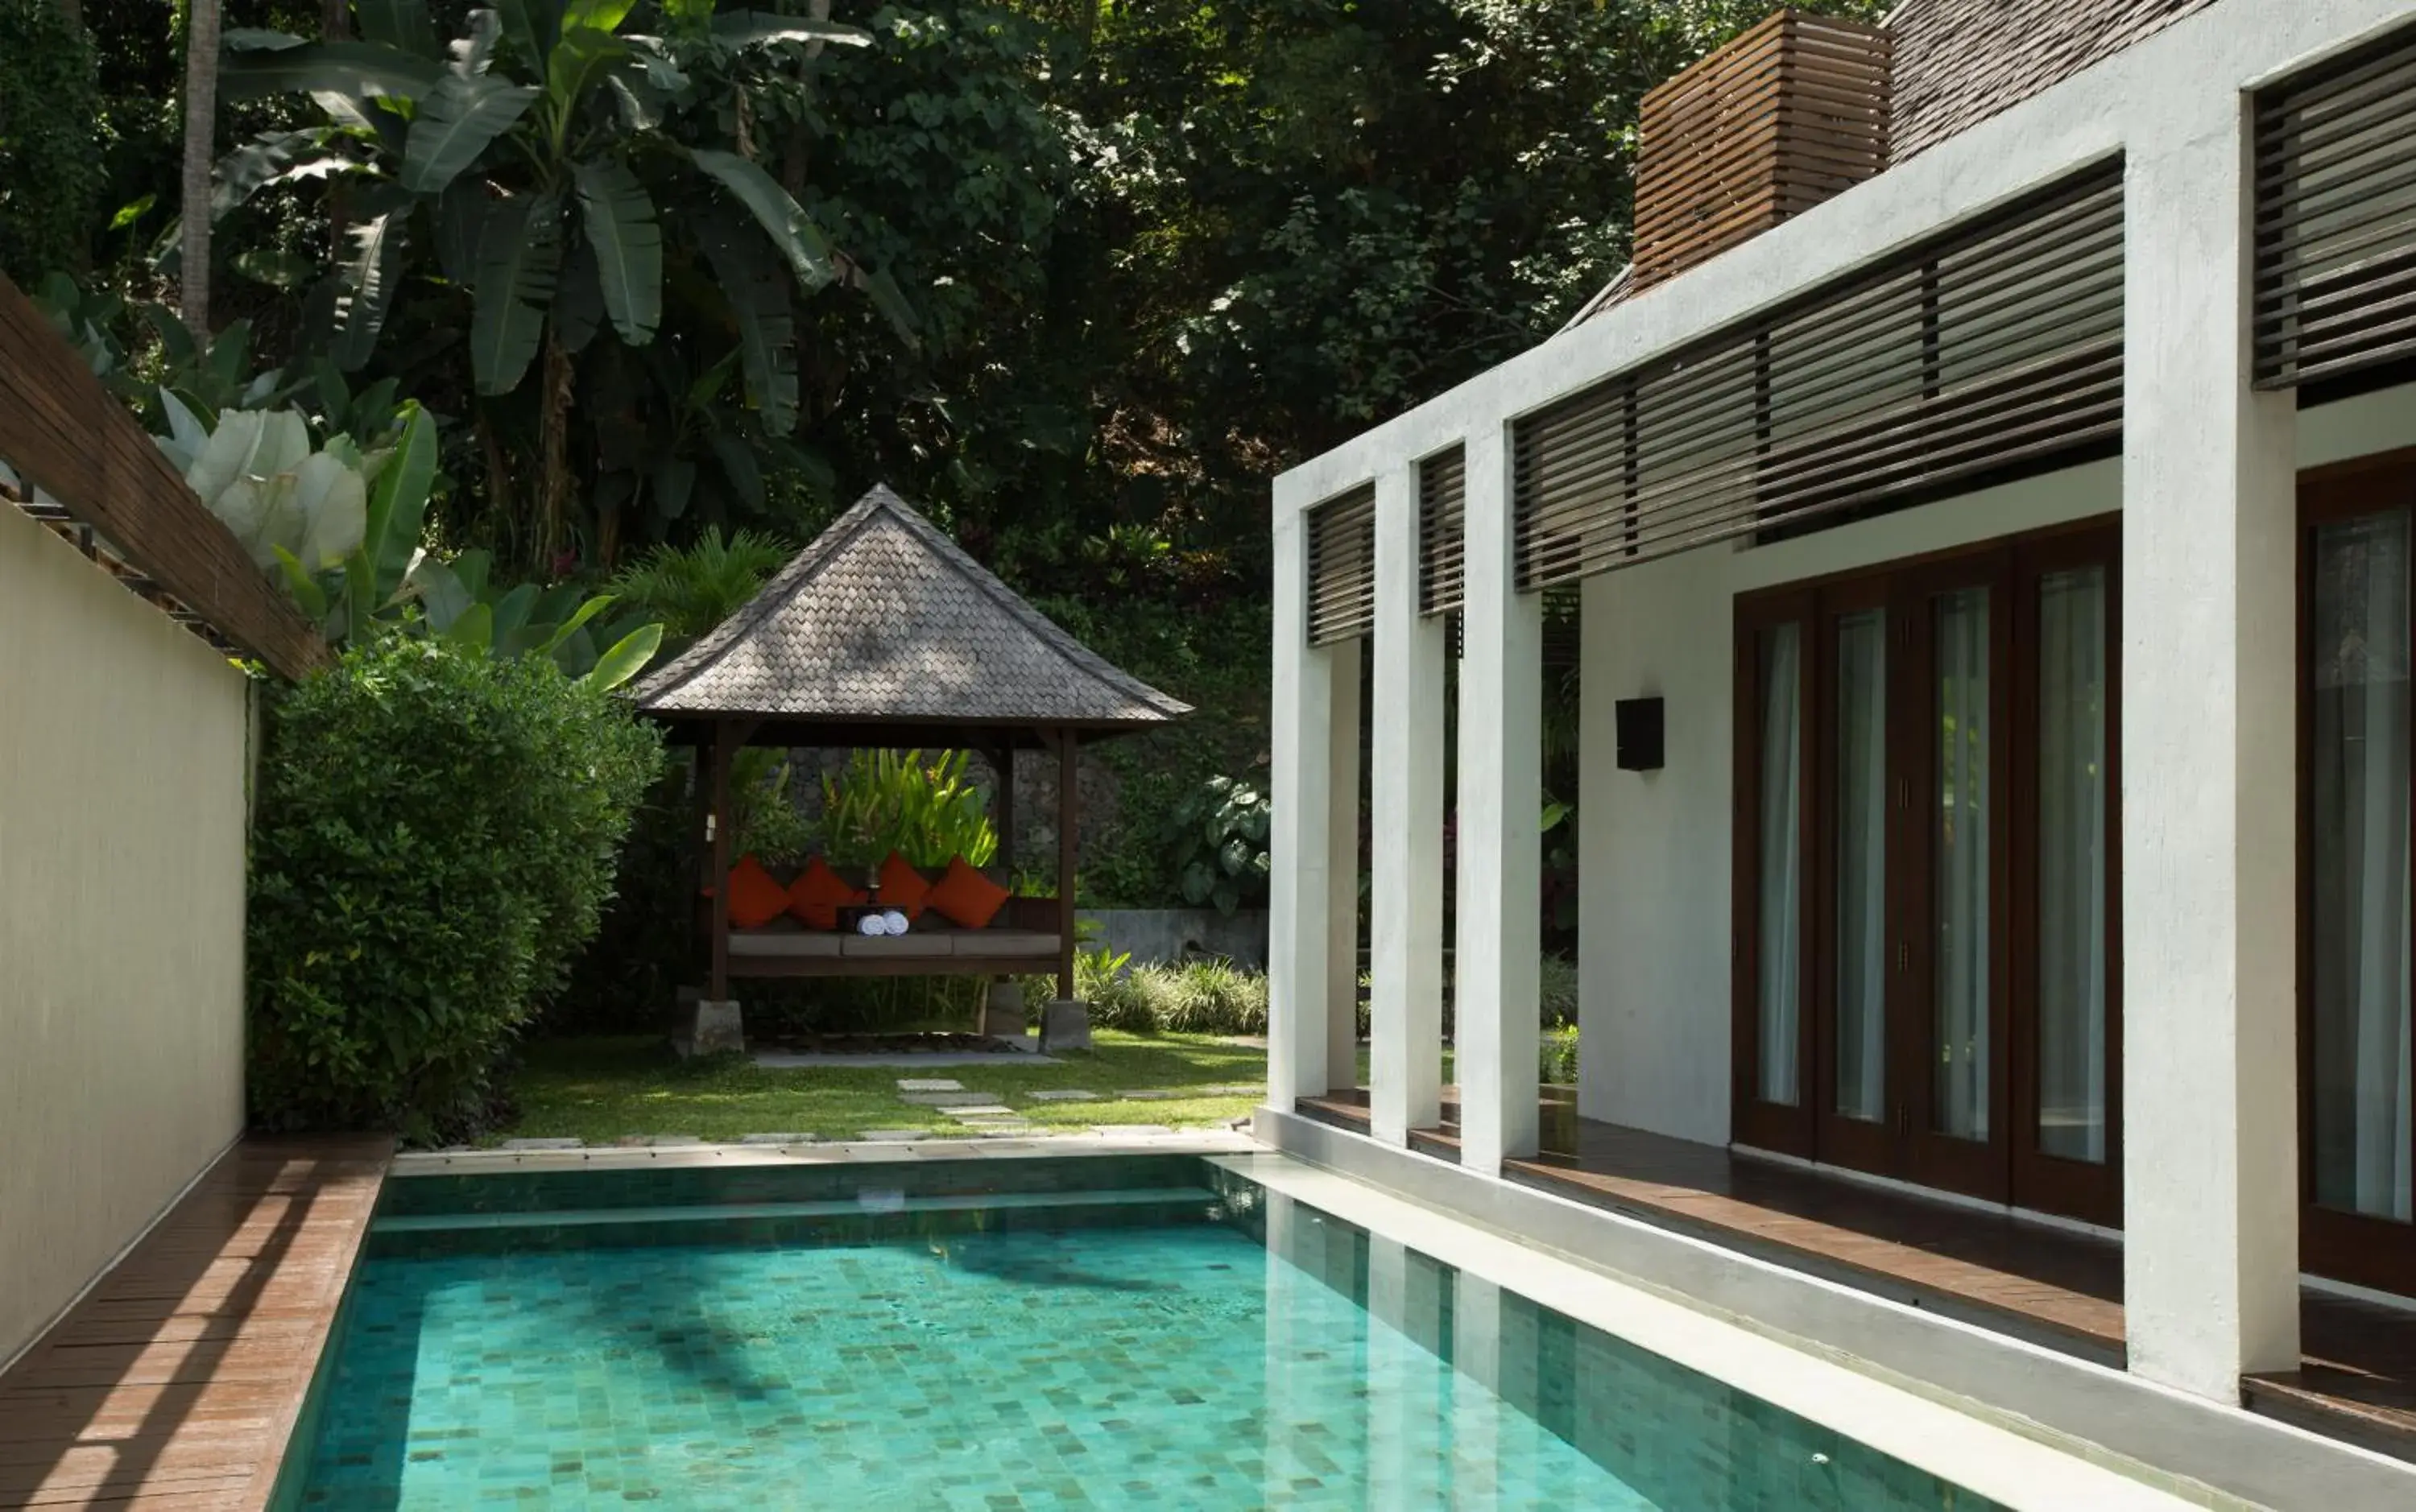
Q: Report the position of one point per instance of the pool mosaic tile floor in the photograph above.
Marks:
(1148, 1366)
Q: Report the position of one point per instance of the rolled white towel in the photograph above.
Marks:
(871, 924)
(893, 923)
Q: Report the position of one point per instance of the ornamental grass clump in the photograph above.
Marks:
(434, 840)
(1195, 997)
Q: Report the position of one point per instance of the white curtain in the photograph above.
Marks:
(2362, 1097)
(1962, 867)
(1781, 869)
(1862, 865)
(2072, 864)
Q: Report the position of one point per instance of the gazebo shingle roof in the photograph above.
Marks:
(884, 620)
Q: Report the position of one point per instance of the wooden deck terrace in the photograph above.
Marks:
(175, 1383)
(2050, 1285)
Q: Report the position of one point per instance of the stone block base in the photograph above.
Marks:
(1065, 1025)
(1003, 1012)
(703, 1027)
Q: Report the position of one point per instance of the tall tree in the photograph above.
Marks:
(525, 164)
(201, 152)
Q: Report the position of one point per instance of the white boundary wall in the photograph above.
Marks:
(123, 752)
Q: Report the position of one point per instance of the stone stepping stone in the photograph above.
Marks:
(543, 1144)
(1063, 1094)
(1157, 1094)
(979, 1110)
(957, 1098)
(656, 1140)
(780, 1139)
(1236, 1089)
(928, 1083)
(892, 1136)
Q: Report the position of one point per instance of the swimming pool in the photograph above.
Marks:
(1084, 1332)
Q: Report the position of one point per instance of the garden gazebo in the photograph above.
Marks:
(884, 635)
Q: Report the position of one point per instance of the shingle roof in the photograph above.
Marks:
(1958, 62)
(884, 619)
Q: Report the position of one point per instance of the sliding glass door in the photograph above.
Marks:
(1933, 971)
(2356, 1056)
(2066, 977)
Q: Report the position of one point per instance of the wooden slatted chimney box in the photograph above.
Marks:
(1783, 117)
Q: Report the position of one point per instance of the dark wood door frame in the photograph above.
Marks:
(2009, 1165)
(2350, 1246)
(1764, 1125)
(1977, 1168)
(2089, 1191)
(1838, 1138)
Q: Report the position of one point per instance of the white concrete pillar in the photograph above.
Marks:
(1342, 863)
(1500, 798)
(1299, 792)
(1405, 1044)
(2210, 781)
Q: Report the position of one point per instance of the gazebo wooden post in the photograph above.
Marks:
(717, 947)
(1003, 808)
(1068, 811)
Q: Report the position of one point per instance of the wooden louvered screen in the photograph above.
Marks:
(2335, 248)
(1342, 567)
(1443, 531)
(1994, 349)
(1769, 126)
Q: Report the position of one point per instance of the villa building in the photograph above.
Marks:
(1991, 496)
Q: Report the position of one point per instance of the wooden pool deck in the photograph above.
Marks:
(2048, 1285)
(175, 1385)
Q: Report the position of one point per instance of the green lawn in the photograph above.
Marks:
(601, 1089)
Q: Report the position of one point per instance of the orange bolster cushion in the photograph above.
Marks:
(819, 893)
(755, 898)
(966, 896)
(902, 888)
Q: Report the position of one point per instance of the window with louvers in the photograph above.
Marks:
(1342, 567)
(2336, 235)
(1443, 531)
(1984, 353)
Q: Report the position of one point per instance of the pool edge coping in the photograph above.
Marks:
(706, 1154)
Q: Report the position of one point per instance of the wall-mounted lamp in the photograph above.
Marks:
(1640, 734)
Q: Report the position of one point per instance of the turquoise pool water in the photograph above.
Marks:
(1190, 1343)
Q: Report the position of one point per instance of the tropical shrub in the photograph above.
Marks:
(1215, 846)
(765, 818)
(435, 840)
(1557, 1056)
(1556, 992)
(926, 811)
(693, 589)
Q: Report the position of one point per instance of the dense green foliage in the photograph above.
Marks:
(1215, 843)
(434, 842)
(926, 811)
(48, 170)
(1153, 250)
(691, 589)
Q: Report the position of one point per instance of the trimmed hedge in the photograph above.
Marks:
(434, 840)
